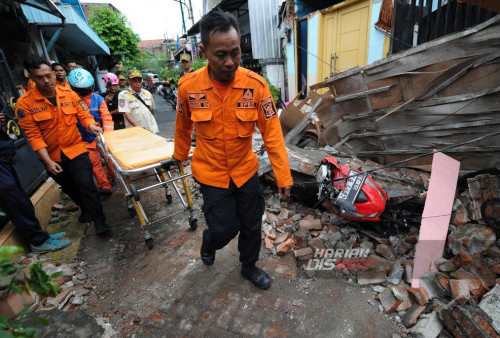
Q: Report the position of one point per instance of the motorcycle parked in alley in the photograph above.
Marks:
(169, 92)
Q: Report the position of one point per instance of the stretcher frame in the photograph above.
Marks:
(162, 171)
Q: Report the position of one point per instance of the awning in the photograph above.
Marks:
(77, 35)
(43, 5)
(225, 5)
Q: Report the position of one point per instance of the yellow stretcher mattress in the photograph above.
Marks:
(134, 148)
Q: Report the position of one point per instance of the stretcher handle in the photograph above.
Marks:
(168, 163)
(101, 138)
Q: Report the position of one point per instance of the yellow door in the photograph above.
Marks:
(346, 36)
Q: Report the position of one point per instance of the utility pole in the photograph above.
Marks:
(182, 14)
(191, 13)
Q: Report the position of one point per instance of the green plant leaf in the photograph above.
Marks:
(5, 334)
(41, 320)
(56, 274)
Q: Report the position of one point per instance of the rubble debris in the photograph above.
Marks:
(490, 303)
(428, 326)
(467, 270)
(471, 239)
(411, 315)
(464, 318)
(459, 288)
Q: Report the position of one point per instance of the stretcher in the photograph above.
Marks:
(136, 152)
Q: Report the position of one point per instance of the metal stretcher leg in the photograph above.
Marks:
(193, 221)
(141, 215)
(160, 175)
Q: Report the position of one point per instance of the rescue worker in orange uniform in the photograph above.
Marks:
(225, 102)
(49, 116)
(82, 83)
(60, 72)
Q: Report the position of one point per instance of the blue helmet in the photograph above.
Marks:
(80, 78)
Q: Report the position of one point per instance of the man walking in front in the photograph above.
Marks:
(225, 102)
(49, 115)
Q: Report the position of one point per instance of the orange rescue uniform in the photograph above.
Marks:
(103, 179)
(64, 85)
(225, 126)
(54, 127)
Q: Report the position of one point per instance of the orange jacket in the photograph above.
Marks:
(107, 120)
(224, 128)
(31, 84)
(52, 127)
(64, 86)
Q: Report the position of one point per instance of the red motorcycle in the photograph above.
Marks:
(350, 193)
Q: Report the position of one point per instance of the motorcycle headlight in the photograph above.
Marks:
(322, 173)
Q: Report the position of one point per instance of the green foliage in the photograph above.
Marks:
(21, 279)
(114, 29)
(275, 91)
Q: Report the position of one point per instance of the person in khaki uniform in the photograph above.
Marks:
(137, 104)
(225, 103)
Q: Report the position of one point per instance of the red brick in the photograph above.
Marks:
(316, 243)
(301, 237)
(386, 251)
(410, 318)
(282, 237)
(269, 243)
(412, 239)
(303, 254)
(367, 277)
(475, 286)
(462, 260)
(459, 288)
(14, 304)
(310, 224)
(418, 295)
(285, 246)
(482, 270)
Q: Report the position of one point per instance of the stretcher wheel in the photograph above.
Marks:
(149, 243)
(169, 198)
(193, 223)
(131, 211)
(134, 192)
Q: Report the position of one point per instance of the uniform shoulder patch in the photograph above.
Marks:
(186, 77)
(20, 113)
(268, 108)
(257, 77)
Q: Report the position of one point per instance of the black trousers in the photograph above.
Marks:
(232, 210)
(18, 207)
(77, 181)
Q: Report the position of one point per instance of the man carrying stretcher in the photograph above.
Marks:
(225, 102)
(49, 116)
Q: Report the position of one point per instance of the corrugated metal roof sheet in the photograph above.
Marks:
(76, 35)
(264, 28)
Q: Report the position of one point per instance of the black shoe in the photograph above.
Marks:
(102, 229)
(105, 192)
(257, 276)
(208, 257)
(84, 217)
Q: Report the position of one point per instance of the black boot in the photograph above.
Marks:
(102, 228)
(257, 276)
(208, 257)
(84, 217)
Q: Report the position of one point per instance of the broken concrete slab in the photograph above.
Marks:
(428, 326)
(388, 301)
(490, 304)
(471, 239)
